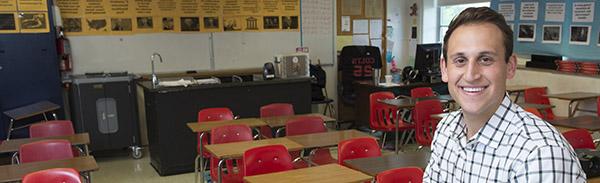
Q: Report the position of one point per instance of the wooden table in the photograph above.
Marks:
(76, 139)
(591, 123)
(374, 165)
(207, 126)
(333, 173)
(518, 89)
(575, 97)
(13, 173)
(28, 111)
(326, 139)
(440, 115)
(280, 121)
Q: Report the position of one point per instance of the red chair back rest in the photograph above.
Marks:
(62, 175)
(266, 159)
(45, 150)
(580, 139)
(424, 124)
(401, 175)
(276, 109)
(538, 96)
(304, 125)
(357, 148)
(380, 114)
(228, 134)
(51, 128)
(215, 114)
(598, 106)
(421, 92)
(534, 111)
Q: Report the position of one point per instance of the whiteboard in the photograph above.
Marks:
(191, 51)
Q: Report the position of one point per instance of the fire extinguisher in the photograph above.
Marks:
(64, 52)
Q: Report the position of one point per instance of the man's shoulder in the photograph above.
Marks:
(533, 131)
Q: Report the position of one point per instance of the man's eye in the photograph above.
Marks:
(460, 61)
(486, 61)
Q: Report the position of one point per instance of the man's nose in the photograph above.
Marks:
(473, 71)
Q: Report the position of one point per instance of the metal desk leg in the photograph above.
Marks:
(54, 116)
(397, 127)
(10, 127)
(517, 97)
(15, 158)
(219, 167)
(86, 149)
(279, 130)
(571, 110)
(201, 156)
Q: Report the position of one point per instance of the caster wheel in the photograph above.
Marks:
(136, 152)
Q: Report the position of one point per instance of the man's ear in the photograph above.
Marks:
(511, 66)
(444, 69)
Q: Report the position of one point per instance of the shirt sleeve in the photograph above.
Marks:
(549, 164)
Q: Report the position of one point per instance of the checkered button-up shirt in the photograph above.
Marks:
(513, 146)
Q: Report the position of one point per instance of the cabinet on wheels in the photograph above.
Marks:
(105, 107)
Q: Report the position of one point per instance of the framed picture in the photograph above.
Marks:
(551, 34)
(526, 33)
(598, 38)
(580, 35)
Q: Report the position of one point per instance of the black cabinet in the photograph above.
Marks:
(105, 107)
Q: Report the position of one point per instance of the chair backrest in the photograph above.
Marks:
(45, 150)
(51, 128)
(357, 148)
(266, 159)
(598, 106)
(534, 111)
(421, 92)
(424, 124)
(401, 175)
(276, 109)
(580, 139)
(380, 114)
(62, 175)
(304, 125)
(538, 96)
(215, 114)
(228, 134)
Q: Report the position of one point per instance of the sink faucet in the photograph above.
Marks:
(154, 78)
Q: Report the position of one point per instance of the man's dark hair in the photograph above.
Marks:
(477, 16)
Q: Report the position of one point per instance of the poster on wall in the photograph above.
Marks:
(190, 24)
(252, 23)
(32, 5)
(34, 22)
(583, 12)
(526, 33)
(8, 23)
(580, 35)
(529, 10)
(289, 22)
(551, 34)
(96, 25)
(8, 5)
(144, 24)
(232, 23)
(555, 12)
(72, 25)
(507, 10)
(121, 25)
(169, 24)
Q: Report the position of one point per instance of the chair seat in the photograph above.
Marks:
(324, 101)
(392, 127)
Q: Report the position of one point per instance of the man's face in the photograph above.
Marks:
(476, 69)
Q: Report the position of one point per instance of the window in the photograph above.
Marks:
(447, 13)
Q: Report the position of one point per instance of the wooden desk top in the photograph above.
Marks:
(326, 139)
(536, 106)
(440, 115)
(207, 126)
(13, 145)
(574, 95)
(591, 123)
(11, 173)
(333, 173)
(31, 110)
(374, 165)
(518, 88)
(279, 121)
(237, 149)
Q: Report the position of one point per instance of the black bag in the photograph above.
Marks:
(590, 162)
(319, 78)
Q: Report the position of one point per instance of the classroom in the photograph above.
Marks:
(299, 91)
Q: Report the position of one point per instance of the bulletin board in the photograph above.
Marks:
(24, 16)
(569, 28)
(362, 22)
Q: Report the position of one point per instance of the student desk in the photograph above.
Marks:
(326, 139)
(76, 139)
(13, 173)
(517, 90)
(374, 165)
(333, 173)
(591, 123)
(28, 111)
(237, 149)
(279, 121)
(575, 97)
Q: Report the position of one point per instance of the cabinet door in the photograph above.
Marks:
(86, 114)
(126, 120)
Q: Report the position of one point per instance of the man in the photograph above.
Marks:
(491, 139)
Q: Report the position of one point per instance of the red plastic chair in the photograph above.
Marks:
(211, 114)
(425, 125)
(534, 111)
(308, 125)
(580, 139)
(266, 159)
(538, 96)
(45, 150)
(62, 175)
(383, 117)
(401, 175)
(228, 134)
(51, 128)
(357, 148)
(421, 92)
(272, 110)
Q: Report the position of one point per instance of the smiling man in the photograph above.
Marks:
(491, 139)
